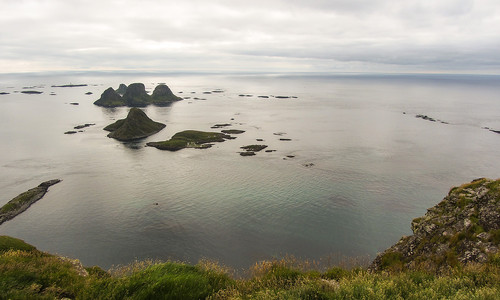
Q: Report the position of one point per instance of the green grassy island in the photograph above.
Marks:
(470, 214)
(190, 139)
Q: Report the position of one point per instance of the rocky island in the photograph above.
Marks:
(190, 139)
(22, 202)
(463, 229)
(135, 95)
(135, 126)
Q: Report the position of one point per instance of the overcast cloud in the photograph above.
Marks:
(234, 35)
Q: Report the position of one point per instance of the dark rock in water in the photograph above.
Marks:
(190, 139)
(207, 93)
(70, 132)
(254, 148)
(136, 95)
(495, 131)
(282, 97)
(163, 96)
(424, 117)
(137, 125)
(70, 85)
(283, 139)
(218, 91)
(74, 103)
(269, 151)
(233, 131)
(83, 126)
(31, 92)
(220, 125)
(121, 89)
(89, 93)
(110, 98)
(22, 202)
(464, 228)
(308, 165)
(290, 156)
(265, 97)
(247, 153)
(4, 93)
(259, 140)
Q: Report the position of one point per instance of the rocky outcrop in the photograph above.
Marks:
(163, 96)
(190, 139)
(135, 95)
(121, 89)
(110, 98)
(463, 228)
(136, 125)
(22, 202)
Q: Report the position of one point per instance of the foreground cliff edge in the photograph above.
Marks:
(464, 228)
(452, 255)
(23, 201)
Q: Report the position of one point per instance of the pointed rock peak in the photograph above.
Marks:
(110, 98)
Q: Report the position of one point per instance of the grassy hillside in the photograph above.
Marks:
(27, 273)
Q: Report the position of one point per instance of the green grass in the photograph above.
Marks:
(26, 273)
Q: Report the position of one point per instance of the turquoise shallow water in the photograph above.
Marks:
(375, 166)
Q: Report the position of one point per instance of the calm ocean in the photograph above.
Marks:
(363, 165)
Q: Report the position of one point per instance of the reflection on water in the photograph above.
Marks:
(373, 167)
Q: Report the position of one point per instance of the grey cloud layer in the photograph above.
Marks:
(258, 35)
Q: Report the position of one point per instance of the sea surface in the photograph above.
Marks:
(363, 165)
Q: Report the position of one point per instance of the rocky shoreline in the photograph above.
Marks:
(23, 201)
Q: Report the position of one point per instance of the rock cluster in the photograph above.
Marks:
(135, 95)
(463, 228)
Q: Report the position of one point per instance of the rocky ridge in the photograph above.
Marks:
(464, 228)
(23, 201)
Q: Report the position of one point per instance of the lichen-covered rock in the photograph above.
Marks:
(463, 228)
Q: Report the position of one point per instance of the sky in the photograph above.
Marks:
(422, 36)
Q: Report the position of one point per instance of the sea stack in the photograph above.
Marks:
(163, 96)
(136, 96)
(137, 125)
(110, 98)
